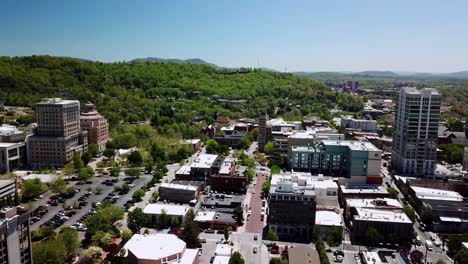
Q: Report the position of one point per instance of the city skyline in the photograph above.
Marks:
(299, 36)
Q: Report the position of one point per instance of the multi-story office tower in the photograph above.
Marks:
(8, 193)
(58, 133)
(96, 125)
(262, 131)
(415, 138)
(291, 212)
(15, 237)
(358, 162)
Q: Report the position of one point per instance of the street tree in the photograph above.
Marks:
(136, 220)
(78, 163)
(70, 239)
(190, 230)
(51, 251)
(272, 235)
(58, 185)
(236, 258)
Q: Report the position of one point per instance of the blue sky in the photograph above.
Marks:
(348, 35)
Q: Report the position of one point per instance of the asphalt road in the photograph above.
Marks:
(254, 224)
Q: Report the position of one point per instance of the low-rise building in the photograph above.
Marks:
(232, 135)
(223, 250)
(326, 220)
(393, 226)
(153, 210)
(96, 126)
(12, 148)
(349, 122)
(222, 201)
(202, 167)
(194, 143)
(178, 193)
(291, 212)
(303, 254)
(361, 191)
(159, 249)
(230, 177)
(358, 162)
(15, 237)
(215, 220)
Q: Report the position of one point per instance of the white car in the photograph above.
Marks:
(254, 183)
(249, 212)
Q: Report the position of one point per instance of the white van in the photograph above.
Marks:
(429, 245)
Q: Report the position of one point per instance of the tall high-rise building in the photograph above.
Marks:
(96, 125)
(415, 137)
(59, 134)
(262, 131)
(15, 236)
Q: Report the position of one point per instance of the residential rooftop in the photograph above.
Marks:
(171, 209)
(378, 215)
(304, 180)
(353, 145)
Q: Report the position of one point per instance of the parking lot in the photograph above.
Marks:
(84, 198)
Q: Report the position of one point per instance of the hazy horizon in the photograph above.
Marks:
(398, 36)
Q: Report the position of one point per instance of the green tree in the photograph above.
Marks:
(115, 171)
(272, 235)
(109, 153)
(70, 239)
(58, 185)
(190, 230)
(133, 172)
(250, 174)
(175, 221)
(51, 251)
(86, 158)
(277, 260)
(269, 148)
(86, 173)
(136, 220)
(392, 192)
(78, 163)
(334, 236)
(409, 211)
(135, 158)
(103, 220)
(102, 239)
(32, 188)
(239, 216)
(94, 253)
(226, 233)
(426, 216)
(462, 257)
(441, 261)
(236, 258)
(163, 219)
(126, 235)
(138, 195)
(68, 169)
(93, 150)
(244, 143)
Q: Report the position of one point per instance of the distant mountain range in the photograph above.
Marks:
(377, 74)
(192, 61)
(389, 74)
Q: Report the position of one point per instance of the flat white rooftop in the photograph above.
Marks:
(192, 141)
(328, 218)
(374, 203)
(6, 130)
(223, 250)
(221, 260)
(155, 247)
(304, 179)
(353, 145)
(364, 189)
(436, 194)
(7, 145)
(184, 170)
(371, 257)
(204, 161)
(171, 209)
(204, 216)
(378, 215)
(46, 178)
(178, 186)
(58, 101)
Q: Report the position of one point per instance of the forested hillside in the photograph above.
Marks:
(165, 93)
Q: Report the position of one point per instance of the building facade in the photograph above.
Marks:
(291, 212)
(8, 195)
(416, 131)
(262, 131)
(361, 124)
(59, 133)
(96, 126)
(15, 237)
(12, 148)
(359, 162)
